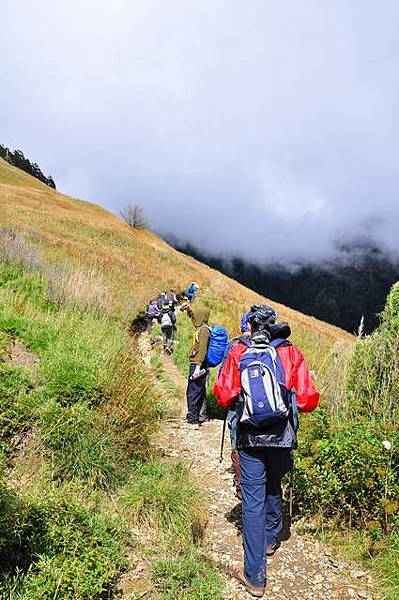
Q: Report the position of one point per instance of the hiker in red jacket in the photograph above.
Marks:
(263, 381)
(228, 385)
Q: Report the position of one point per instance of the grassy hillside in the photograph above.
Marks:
(134, 263)
(75, 436)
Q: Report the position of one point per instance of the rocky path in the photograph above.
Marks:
(301, 568)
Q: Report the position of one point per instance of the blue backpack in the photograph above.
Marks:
(218, 343)
(263, 387)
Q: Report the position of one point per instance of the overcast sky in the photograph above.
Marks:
(267, 128)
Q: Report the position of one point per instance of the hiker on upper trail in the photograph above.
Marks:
(154, 311)
(261, 381)
(157, 306)
(168, 326)
(196, 385)
(191, 291)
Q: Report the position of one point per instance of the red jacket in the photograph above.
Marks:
(297, 376)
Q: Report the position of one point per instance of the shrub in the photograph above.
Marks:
(374, 375)
(60, 549)
(344, 470)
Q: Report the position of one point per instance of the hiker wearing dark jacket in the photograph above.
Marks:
(278, 331)
(168, 327)
(265, 452)
(196, 385)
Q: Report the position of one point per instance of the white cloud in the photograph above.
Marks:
(219, 116)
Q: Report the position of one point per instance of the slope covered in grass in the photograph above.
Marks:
(135, 264)
(77, 421)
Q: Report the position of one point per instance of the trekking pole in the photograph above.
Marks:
(291, 494)
(223, 436)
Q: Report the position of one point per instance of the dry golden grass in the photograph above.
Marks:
(134, 265)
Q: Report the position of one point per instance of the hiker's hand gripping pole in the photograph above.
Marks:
(223, 435)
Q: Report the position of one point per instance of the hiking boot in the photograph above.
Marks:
(271, 548)
(191, 425)
(251, 589)
(205, 422)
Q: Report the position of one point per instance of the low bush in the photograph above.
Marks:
(374, 375)
(344, 470)
(58, 549)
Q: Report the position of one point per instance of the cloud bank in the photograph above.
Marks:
(268, 129)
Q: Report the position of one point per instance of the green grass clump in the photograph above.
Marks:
(82, 445)
(386, 563)
(17, 403)
(55, 548)
(374, 376)
(163, 496)
(190, 578)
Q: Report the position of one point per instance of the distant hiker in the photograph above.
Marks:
(261, 380)
(196, 385)
(156, 307)
(191, 291)
(168, 326)
(154, 312)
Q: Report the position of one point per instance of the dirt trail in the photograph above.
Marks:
(301, 568)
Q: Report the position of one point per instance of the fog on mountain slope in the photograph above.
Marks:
(261, 129)
(348, 291)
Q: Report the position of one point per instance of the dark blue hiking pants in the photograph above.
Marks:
(261, 471)
(196, 397)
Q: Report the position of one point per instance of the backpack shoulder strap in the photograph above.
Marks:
(200, 327)
(280, 342)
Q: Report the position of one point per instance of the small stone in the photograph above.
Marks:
(362, 594)
(359, 574)
(351, 593)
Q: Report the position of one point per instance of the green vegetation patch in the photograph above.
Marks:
(190, 578)
(53, 547)
(162, 495)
